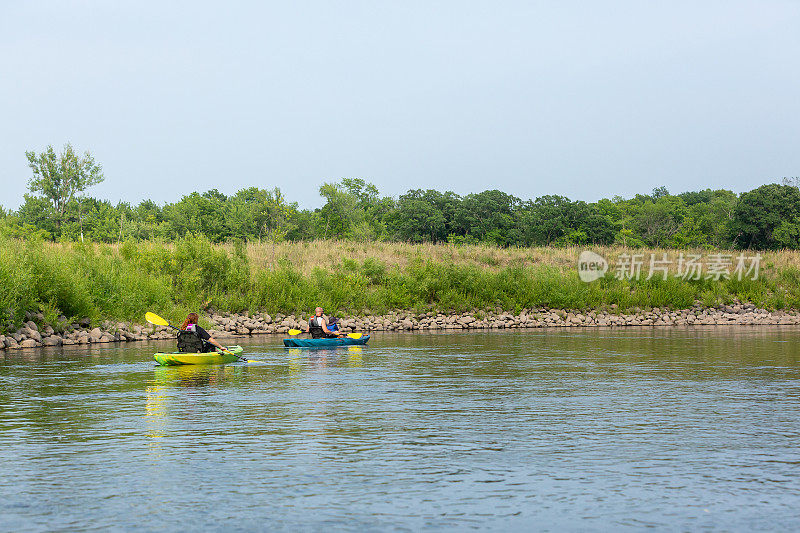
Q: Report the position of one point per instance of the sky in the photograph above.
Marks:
(581, 99)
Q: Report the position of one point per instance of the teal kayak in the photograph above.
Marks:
(325, 343)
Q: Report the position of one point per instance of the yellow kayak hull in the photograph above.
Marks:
(210, 358)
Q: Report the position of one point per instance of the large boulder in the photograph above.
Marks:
(32, 333)
(29, 343)
(96, 334)
(52, 340)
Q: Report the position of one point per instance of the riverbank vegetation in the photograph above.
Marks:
(122, 281)
(767, 217)
(64, 253)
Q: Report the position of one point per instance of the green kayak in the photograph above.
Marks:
(210, 358)
(325, 343)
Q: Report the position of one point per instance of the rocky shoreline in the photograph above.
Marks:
(35, 333)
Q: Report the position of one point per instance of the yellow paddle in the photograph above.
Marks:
(158, 321)
(351, 335)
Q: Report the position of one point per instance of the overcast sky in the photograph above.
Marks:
(583, 99)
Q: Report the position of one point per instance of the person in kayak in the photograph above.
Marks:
(333, 325)
(193, 338)
(318, 326)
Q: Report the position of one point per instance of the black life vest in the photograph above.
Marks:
(315, 328)
(190, 342)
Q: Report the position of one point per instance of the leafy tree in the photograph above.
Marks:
(545, 220)
(660, 192)
(558, 220)
(339, 214)
(787, 235)
(712, 219)
(598, 227)
(487, 217)
(627, 237)
(370, 223)
(760, 212)
(101, 221)
(147, 221)
(418, 220)
(691, 198)
(366, 193)
(690, 234)
(196, 214)
(657, 221)
(38, 212)
(424, 216)
(60, 177)
(215, 195)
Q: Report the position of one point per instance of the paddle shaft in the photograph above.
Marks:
(351, 335)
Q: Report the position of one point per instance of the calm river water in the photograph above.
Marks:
(679, 429)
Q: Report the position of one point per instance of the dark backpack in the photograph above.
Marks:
(189, 342)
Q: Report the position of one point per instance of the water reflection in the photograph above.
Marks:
(156, 416)
(194, 375)
(591, 429)
(355, 357)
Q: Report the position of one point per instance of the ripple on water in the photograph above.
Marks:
(575, 430)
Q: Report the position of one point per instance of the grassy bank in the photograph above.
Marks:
(123, 281)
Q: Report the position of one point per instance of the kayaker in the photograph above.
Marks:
(193, 338)
(333, 325)
(318, 326)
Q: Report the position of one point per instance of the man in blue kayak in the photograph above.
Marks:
(318, 326)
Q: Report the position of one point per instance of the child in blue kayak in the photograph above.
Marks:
(333, 325)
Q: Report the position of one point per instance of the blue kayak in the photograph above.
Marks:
(325, 343)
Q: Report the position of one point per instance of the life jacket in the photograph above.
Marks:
(190, 342)
(315, 328)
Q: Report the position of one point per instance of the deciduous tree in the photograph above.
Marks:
(60, 177)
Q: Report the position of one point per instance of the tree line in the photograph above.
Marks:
(57, 209)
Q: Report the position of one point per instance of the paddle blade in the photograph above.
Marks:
(295, 332)
(355, 335)
(155, 319)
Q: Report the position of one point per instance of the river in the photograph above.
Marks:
(562, 429)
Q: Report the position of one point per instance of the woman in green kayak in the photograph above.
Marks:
(318, 326)
(193, 338)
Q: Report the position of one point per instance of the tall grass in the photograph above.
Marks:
(124, 281)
